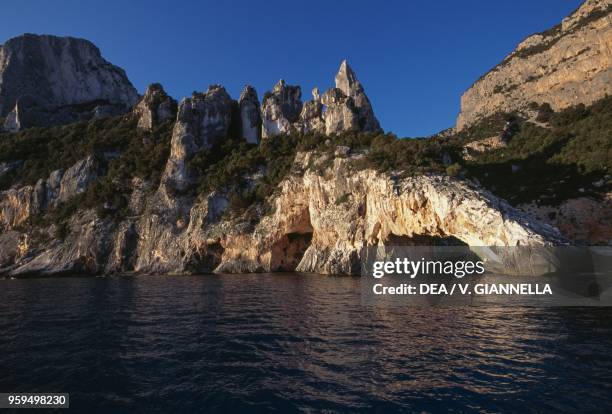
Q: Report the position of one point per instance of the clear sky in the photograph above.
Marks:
(414, 58)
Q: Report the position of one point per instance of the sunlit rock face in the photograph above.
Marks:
(250, 116)
(340, 113)
(321, 222)
(202, 120)
(64, 79)
(311, 117)
(280, 109)
(155, 107)
(347, 82)
(17, 205)
(343, 108)
(567, 65)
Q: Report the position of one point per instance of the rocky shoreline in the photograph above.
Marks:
(316, 217)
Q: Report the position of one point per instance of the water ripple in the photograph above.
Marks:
(292, 343)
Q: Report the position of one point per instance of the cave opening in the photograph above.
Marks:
(206, 259)
(289, 251)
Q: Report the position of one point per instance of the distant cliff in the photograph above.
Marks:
(49, 80)
(564, 66)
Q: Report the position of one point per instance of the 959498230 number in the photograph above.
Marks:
(34, 400)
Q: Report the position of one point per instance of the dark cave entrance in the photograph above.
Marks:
(288, 251)
(206, 259)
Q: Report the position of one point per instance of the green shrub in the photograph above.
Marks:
(555, 162)
(453, 170)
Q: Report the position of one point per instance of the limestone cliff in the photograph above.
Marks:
(250, 115)
(201, 121)
(19, 204)
(49, 80)
(564, 66)
(154, 107)
(343, 108)
(320, 224)
(285, 191)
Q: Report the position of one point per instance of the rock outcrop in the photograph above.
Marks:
(155, 107)
(325, 211)
(49, 80)
(321, 223)
(311, 117)
(343, 108)
(564, 66)
(202, 120)
(582, 220)
(340, 112)
(347, 82)
(19, 204)
(280, 109)
(250, 115)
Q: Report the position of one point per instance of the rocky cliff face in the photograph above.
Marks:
(584, 219)
(154, 107)
(19, 204)
(326, 209)
(320, 224)
(343, 108)
(280, 109)
(48, 80)
(564, 66)
(201, 121)
(250, 115)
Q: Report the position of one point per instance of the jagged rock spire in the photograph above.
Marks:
(347, 82)
(250, 116)
(201, 121)
(280, 109)
(155, 107)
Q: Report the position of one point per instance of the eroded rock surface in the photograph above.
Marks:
(19, 204)
(347, 82)
(340, 113)
(49, 80)
(280, 109)
(320, 224)
(345, 107)
(250, 115)
(155, 107)
(583, 220)
(567, 65)
(202, 120)
(328, 219)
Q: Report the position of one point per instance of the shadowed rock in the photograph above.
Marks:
(250, 116)
(202, 121)
(155, 107)
(65, 80)
(280, 109)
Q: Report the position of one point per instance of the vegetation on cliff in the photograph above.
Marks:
(547, 164)
(570, 157)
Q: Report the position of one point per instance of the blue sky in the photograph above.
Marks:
(414, 59)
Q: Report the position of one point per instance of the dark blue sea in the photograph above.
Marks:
(292, 343)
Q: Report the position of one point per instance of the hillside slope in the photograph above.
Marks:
(567, 65)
